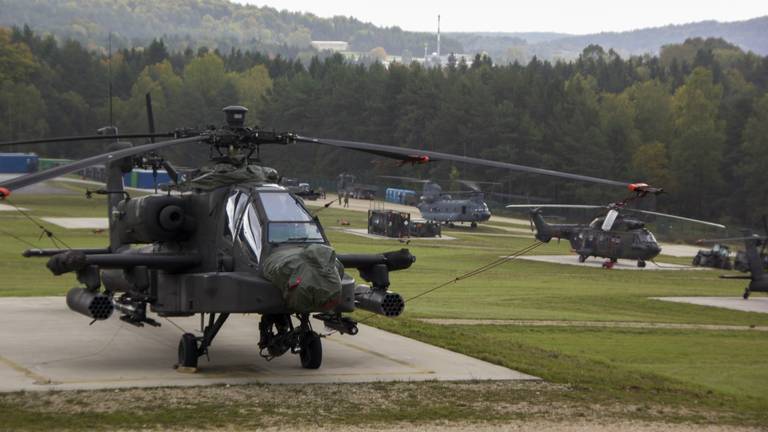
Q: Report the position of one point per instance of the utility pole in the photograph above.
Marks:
(438, 36)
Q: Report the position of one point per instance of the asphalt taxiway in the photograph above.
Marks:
(45, 346)
(753, 304)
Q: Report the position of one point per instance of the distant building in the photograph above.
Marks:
(335, 46)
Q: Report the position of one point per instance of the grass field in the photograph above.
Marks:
(701, 376)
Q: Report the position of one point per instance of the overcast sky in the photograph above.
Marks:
(564, 16)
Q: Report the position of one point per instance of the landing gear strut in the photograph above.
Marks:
(278, 335)
(191, 347)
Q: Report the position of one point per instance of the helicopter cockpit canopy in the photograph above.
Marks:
(287, 220)
(645, 236)
(270, 216)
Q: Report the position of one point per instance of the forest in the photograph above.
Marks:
(693, 120)
(216, 24)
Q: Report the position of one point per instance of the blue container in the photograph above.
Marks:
(142, 178)
(18, 163)
(397, 196)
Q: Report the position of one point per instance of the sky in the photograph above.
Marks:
(562, 16)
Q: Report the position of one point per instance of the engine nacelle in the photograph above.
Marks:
(153, 218)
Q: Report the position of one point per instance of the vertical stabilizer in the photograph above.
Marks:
(543, 230)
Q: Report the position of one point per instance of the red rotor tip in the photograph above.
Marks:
(637, 186)
(4, 192)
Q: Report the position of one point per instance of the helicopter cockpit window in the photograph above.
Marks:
(645, 237)
(235, 207)
(288, 221)
(252, 230)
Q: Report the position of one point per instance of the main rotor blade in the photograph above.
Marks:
(87, 138)
(670, 216)
(54, 172)
(407, 155)
(519, 196)
(729, 239)
(579, 206)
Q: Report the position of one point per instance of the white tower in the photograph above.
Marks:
(438, 36)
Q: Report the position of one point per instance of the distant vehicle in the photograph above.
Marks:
(741, 263)
(717, 257)
(424, 228)
(396, 224)
(346, 184)
(304, 190)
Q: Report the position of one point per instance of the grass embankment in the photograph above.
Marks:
(669, 375)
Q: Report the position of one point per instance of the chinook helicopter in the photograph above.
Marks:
(229, 240)
(441, 206)
(612, 236)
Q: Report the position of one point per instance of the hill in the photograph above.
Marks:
(749, 35)
(223, 25)
(217, 24)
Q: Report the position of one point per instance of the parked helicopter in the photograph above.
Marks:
(232, 241)
(758, 280)
(612, 236)
(440, 206)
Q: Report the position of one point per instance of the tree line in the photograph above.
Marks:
(693, 119)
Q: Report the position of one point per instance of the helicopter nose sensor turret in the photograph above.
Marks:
(235, 116)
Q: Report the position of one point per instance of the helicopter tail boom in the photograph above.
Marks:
(546, 232)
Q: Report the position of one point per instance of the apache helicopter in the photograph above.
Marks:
(229, 240)
(611, 236)
(758, 280)
(440, 206)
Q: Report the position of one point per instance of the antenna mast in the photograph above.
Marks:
(438, 36)
(109, 72)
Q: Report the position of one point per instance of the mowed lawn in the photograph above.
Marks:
(717, 368)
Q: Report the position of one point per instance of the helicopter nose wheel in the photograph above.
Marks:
(311, 350)
(188, 353)
(641, 264)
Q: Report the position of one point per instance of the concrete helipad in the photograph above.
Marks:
(598, 263)
(79, 222)
(753, 304)
(45, 346)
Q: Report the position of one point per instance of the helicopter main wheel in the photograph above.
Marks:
(311, 353)
(641, 264)
(473, 225)
(188, 352)
(746, 294)
(582, 258)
